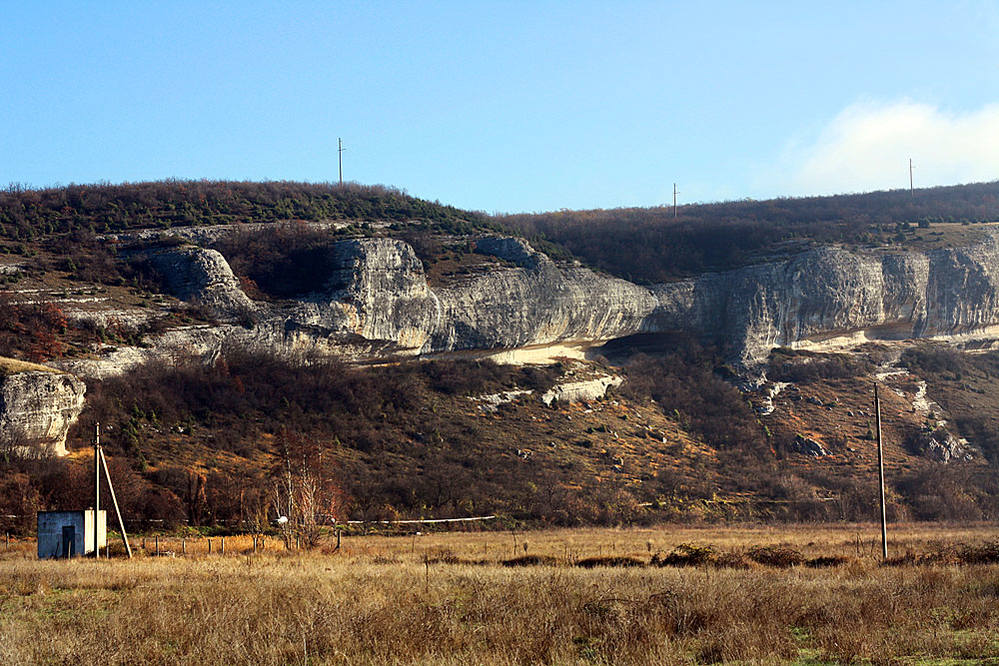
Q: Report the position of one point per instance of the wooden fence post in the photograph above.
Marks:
(222, 547)
(157, 537)
(183, 546)
(209, 545)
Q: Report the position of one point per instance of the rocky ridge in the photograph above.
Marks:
(378, 302)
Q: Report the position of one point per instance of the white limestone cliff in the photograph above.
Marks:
(37, 409)
(378, 302)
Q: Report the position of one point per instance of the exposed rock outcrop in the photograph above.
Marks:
(809, 447)
(377, 293)
(587, 389)
(831, 292)
(767, 405)
(940, 445)
(37, 409)
(565, 392)
(378, 301)
(195, 273)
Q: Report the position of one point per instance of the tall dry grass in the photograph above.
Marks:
(379, 601)
(853, 540)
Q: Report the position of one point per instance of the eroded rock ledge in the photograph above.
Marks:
(378, 302)
(37, 409)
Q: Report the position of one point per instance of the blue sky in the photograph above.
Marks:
(505, 106)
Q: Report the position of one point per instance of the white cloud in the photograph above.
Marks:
(867, 147)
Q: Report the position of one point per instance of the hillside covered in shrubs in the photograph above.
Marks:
(214, 444)
(651, 245)
(26, 214)
(641, 244)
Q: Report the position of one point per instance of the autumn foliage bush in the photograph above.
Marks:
(31, 331)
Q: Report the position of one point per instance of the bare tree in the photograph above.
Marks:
(305, 489)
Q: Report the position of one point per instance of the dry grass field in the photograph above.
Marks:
(448, 599)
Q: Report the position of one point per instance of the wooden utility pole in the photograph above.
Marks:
(97, 489)
(674, 199)
(339, 150)
(912, 192)
(881, 477)
(114, 501)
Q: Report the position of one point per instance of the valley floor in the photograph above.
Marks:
(447, 599)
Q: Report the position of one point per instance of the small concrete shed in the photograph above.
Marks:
(70, 533)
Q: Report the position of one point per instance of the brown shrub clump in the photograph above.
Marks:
(987, 553)
(776, 556)
(950, 554)
(609, 561)
(733, 560)
(686, 555)
(531, 560)
(826, 561)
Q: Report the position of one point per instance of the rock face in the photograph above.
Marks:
(194, 273)
(940, 445)
(377, 294)
(587, 389)
(808, 446)
(831, 292)
(535, 303)
(37, 409)
(378, 301)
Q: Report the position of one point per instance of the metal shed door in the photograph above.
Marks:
(68, 540)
